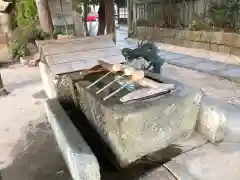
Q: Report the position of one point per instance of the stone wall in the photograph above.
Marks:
(223, 42)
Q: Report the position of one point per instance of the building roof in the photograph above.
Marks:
(4, 5)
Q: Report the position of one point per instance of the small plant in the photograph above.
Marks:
(18, 49)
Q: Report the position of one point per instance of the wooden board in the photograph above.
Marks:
(82, 55)
(80, 65)
(76, 46)
(61, 41)
(147, 92)
(76, 54)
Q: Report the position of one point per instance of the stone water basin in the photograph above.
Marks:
(135, 129)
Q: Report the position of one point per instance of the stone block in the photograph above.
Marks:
(149, 31)
(81, 161)
(195, 35)
(141, 29)
(187, 43)
(169, 33)
(178, 42)
(235, 51)
(228, 39)
(169, 40)
(237, 42)
(213, 47)
(207, 36)
(224, 49)
(212, 120)
(136, 129)
(181, 35)
(217, 37)
(203, 45)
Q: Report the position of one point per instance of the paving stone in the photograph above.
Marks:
(208, 162)
(235, 73)
(210, 66)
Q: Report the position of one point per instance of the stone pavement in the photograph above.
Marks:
(201, 75)
(201, 64)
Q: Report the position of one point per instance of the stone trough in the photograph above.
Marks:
(135, 129)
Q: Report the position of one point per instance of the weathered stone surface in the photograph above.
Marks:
(160, 173)
(212, 120)
(217, 37)
(169, 33)
(133, 130)
(237, 41)
(187, 43)
(214, 47)
(47, 79)
(224, 49)
(207, 36)
(181, 35)
(81, 161)
(235, 51)
(228, 39)
(141, 30)
(208, 162)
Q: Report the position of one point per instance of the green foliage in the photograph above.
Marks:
(223, 15)
(22, 36)
(26, 12)
(18, 49)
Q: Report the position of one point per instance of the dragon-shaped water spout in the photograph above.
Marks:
(147, 50)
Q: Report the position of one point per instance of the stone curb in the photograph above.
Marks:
(81, 161)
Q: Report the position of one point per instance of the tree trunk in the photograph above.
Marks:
(102, 22)
(45, 16)
(110, 19)
(85, 11)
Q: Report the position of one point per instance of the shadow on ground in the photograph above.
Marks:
(36, 157)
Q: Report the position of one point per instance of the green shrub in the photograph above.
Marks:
(18, 49)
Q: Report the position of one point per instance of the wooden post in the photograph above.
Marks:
(130, 14)
(85, 12)
(110, 19)
(44, 16)
(3, 92)
(102, 21)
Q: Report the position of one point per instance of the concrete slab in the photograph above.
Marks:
(208, 162)
(81, 161)
(209, 66)
(184, 61)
